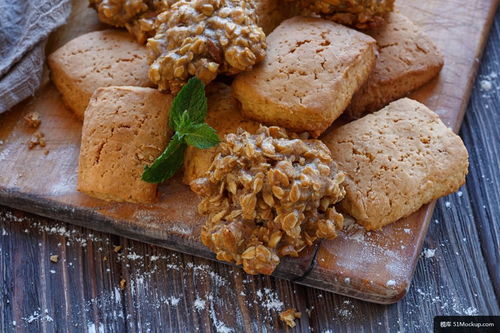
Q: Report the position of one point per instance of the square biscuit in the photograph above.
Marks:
(395, 161)
(407, 60)
(97, 59)
(125, 128)
(225, 117)
(311, 70)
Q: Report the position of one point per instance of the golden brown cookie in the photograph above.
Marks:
(407, 60)
(225, 117)
(125, 128)
(395, 161)
(312, 69)
(97, 59)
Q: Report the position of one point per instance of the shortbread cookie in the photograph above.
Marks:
(312, 69)
(407, 60)
(97, 59)
(225, 117)
(125, 128)
(395, 161)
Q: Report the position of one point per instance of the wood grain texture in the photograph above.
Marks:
(387, 256)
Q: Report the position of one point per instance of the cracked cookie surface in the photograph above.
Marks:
(125, 128)
(97, 59)
(311, 70)
(407, 59)
(396, 160)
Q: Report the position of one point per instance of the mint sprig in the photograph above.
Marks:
(187, 118)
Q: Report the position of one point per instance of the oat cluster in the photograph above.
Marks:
(358, 13)
(267, 196)
(288, 317)
(140, 17)
(205, 38)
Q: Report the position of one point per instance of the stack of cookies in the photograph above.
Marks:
(397, 154)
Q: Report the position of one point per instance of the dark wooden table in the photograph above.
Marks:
(103, 283)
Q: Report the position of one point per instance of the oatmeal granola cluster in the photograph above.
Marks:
(205, 38)
(140, 17)
(288, 317)
(268, 195)
(358, 13)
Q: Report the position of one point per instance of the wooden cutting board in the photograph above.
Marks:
(374, 266)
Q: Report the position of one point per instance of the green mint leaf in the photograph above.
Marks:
(184, 123)
(167, 164)
(201, 136)
(187, 116)
(191, 99)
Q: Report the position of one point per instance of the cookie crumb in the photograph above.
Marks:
(123, 284)
(54, 258)
(288, 316)
(37, 139)
(32, 119)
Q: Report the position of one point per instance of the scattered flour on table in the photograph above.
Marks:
(488, 84)
(470, 311)
(429, 253)
(134, 256)
(199, 304)
(220, 326)
(146, 266)
(391, 283)
(38, 316)
(269, 299)
(91, 328)
(345, 310)
(173, 301)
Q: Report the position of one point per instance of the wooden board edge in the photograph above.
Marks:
(290, 269)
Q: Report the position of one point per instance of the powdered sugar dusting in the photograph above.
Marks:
(38, 316)
(269, 299)
(220, 326)
(429, 253)
(199, 304)
(208, 300)
(488, 84)
(391, 283)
